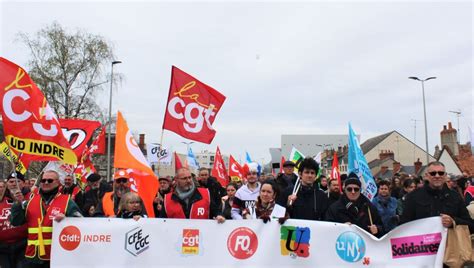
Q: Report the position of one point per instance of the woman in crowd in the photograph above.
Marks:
(228, 200)
(131, 207)
(408, 186)
(396, 187)
(266, 208)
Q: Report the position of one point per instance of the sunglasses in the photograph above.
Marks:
(440, 173)
(121, 180)
(352, 189)
(46, 180)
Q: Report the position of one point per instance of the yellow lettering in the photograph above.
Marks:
(194, 96)
(19, 75)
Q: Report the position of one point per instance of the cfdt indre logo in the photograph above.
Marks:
(136, 241)
(350, 247)
(242, 243)
(70, 238)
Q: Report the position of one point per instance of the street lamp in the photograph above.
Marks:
(109, 127)
(424, 111)
(187, 145)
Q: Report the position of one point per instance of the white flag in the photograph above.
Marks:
(157, 154)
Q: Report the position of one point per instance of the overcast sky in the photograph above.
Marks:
(285, 67)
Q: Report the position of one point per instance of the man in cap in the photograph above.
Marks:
(286, 180)
(165, 187)
(109, 205)
(16, 185)
(354, 208)
(38, 213)
(188, 201)
(89, 199)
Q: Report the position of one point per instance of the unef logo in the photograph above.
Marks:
(136, 241)
(294, 241)
(70, 238)
(242, 243)
(350, 247)
(190, 244)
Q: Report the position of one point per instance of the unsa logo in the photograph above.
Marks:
(70, 238)
(242, 243)
(136, 241)
(350, 247)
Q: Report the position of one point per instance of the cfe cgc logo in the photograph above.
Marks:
(190, 245)
(71, 237)
(242, 243)
(136, 241)
(294, 241)
(350, 247)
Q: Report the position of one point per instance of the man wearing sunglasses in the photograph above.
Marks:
(38, 213)
(109, 205)
(355, 208)
(435, 199)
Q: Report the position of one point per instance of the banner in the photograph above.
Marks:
(155, 153)
(12, 157)
(78, 132)
(192, 107)
(29, 124)
(218, 170)
(358, 165)
(242, 243)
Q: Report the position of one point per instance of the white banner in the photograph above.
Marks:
(102, 242)
(155, 154)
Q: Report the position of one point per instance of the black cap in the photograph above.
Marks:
(167, 178)
(289, 163)
(352, 179)
(17, 175)
(93, 177)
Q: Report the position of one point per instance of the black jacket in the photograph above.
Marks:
(427, 202)
(215, 189)
(343, 211)
(311, 203)
(214, 209)
(92, 198)
(283, 182)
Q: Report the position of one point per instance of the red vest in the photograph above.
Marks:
(108, 204)
(470, 190)
(199, 209)
(8, 233)
(34, 212)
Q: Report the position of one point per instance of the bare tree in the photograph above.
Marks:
(70, 69)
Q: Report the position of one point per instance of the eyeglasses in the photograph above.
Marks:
(186, 178)
(440, 173)
(47, 180)
(352, 189)
(121, 180)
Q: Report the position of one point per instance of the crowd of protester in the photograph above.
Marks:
(28, 206)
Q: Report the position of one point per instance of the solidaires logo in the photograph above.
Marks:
(294, 241)
(350, 247)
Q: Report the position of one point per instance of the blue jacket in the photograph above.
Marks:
(387, 208)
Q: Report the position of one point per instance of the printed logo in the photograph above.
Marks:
(418, 245)
(136, 241)
(294, 241)
(242, 243)
(54, 212)
(190, 244)
(350, 247)
(70, 238)
(4, 214)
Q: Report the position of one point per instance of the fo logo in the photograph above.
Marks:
(190, 244)
(242, 243)
(136, 241)
(70, 238)
(350, 247)
(294, 241)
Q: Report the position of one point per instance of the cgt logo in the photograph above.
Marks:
(350, 247)
(136, 241)
(242, 243)
(70, 238)
(294, 241)
(190, 245)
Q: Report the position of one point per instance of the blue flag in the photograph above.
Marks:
(358, 165)
(192, 162)
(247, 158)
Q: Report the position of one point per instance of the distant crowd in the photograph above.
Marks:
(29, 207)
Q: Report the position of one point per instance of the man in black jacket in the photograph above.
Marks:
(216, 190)
(285, 180)
(354, 208)
(309, 202)
(435, 199)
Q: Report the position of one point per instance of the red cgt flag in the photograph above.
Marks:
(192, 107)
(335, 174)
(30, 125)
(177, 162)
(78, 132)
(235, 170)
(281, 164)
(218, 171)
